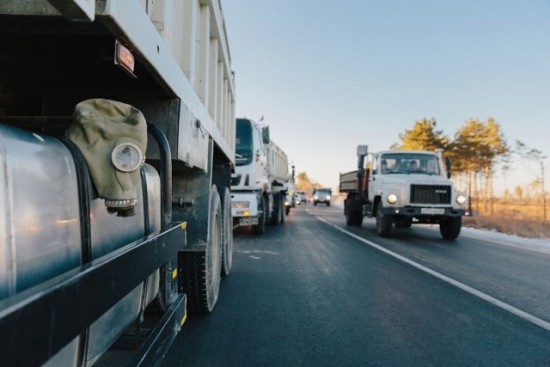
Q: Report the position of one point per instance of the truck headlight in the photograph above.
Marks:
(461, 199)
(240, 204)
(392, 198)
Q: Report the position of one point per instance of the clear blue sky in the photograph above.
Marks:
(328, 75)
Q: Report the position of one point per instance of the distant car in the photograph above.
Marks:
(303, 196)
(297, 198)
(322, 196)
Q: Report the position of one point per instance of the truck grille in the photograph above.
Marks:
(430, 194)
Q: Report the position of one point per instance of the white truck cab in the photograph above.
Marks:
(259, 184)
(403, 187)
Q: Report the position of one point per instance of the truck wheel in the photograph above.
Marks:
(354, 218)
(349, 219)
(328, 204)
(282, 209)
(287, 211)
(354, 213)
(227, 233)
(383, 223)
(202, 269)
(358, 218)
(277, 212)
(167, 286)
(450, 227)
(260, 227)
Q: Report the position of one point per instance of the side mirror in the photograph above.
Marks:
(362, 150)
(448, 166)
(265, 135)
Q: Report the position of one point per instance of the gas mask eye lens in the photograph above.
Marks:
(127, 157)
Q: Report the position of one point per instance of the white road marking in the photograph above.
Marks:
(503, 305)
(258, 252)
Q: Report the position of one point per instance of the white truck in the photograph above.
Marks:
(117, 142)
(403, 187)
(260, 182)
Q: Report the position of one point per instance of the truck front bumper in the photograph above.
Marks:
(421, 212)
(244, 208)
(245, 221)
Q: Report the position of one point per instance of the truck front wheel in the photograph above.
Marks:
(260, 227)
(450, 227)
(383, 223)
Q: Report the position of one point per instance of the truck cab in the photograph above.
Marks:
(250, 177)
(259, 183)
(404, 187)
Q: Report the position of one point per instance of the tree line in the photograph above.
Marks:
(477, 149)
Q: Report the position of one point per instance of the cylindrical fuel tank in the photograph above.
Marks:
(39, 210)
(40, 228)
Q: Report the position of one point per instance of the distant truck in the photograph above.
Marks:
(402, 187)
(117, 141)
(261, 179)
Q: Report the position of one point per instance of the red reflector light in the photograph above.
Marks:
(124, 58)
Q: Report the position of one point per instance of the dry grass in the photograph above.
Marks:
(530, 228)
(523, 218)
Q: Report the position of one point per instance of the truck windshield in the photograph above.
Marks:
(243, 154)
(407, 163)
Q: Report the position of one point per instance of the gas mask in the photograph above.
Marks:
(112, 137)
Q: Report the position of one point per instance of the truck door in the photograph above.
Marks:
(260, 159)
(373, 176)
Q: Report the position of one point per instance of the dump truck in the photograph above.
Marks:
(260, 182)
(117, 143)
(401, 188)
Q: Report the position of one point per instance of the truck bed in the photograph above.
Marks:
(348, 181)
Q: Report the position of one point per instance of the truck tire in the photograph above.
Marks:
(277, 210)
(354, 213)
(349, 218)
(202, 269)
(354, 218)
(227, 233)
(283, 209)
(260, 227)
(383, 223)
(358, 218)
(450, 227)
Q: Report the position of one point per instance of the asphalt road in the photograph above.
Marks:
(308, 294)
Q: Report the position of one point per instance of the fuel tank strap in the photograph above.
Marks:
(85, 191)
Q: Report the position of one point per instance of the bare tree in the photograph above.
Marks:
(536, 156)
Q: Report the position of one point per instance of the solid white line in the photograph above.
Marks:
(516, 311)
